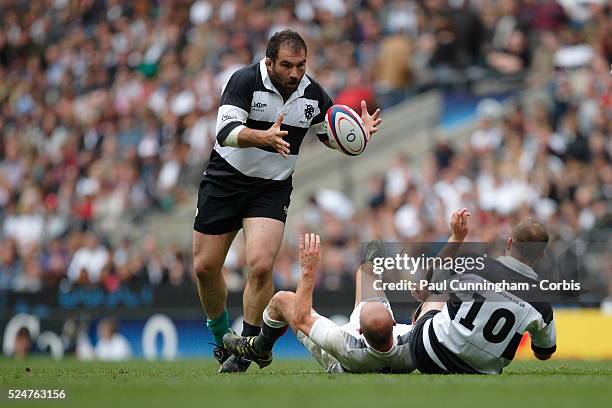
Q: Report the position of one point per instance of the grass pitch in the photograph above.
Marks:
(300, 383)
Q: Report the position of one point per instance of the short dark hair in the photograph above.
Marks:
(529, 239)
(288, 37)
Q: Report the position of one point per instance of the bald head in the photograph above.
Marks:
(529, 240)
(376, 325)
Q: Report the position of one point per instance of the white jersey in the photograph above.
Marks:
(483, 329)
(343, 349)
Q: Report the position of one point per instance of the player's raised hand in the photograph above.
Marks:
(274, 137)
(371, 122)
(310, 252)
(459, 224)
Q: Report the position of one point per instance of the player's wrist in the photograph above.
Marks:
(262, 138)
(456, 238)
(309, 270)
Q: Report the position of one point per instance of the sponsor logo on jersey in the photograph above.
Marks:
(228, 117)
(258, 106)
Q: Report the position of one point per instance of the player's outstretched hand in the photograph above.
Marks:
(310, 252)
(459, 224)
(274, 137)
(371, 122)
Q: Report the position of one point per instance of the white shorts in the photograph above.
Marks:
(326, 360)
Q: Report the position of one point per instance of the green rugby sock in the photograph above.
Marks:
(219, 326)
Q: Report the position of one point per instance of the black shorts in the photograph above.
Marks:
(424, 363)
(221, 209)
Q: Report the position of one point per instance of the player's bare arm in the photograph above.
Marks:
(310, 255)
(272, 137)
(459, 230)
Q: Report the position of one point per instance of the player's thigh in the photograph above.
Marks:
(263, 238)
(209, 251)
(218, 210)
(264, 212)
(366, 285)
(267, 202)
(326, 360)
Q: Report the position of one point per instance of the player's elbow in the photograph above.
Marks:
(228, 135)
(301, 321)
(543, 353)
(542, 357)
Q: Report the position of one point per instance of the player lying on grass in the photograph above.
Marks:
(370, 342)
(478, 332)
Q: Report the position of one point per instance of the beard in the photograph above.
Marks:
(286, 87)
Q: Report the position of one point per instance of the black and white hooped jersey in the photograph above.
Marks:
(480, 331)
(250, 99)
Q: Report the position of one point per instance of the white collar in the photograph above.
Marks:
(517, 266)
(268, 82)
(378, 352)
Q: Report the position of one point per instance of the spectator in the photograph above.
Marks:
(88, 261)
(512, 57)
(31, 278)
(108, 110)
(355, 91)
(392, 72)
(23, 344)
(111, 345)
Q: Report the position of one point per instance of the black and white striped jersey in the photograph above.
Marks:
(250, 99)
(480, 331)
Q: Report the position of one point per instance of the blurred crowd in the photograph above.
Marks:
(108, 110)
(550, 159)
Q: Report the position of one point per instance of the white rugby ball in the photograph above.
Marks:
(346, 129)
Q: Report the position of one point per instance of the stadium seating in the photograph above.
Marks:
(107, 117)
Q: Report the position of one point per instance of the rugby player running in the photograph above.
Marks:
(266, 110)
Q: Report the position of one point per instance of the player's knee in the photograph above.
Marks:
(260, 271)
(281, 298)
(205, 268)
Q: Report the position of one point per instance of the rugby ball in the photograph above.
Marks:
(346, 129)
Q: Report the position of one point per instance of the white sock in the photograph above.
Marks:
(277, 324)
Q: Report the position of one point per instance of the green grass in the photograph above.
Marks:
(300, 383)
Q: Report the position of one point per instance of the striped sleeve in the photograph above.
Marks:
(543, 334)
(235, 104)
(318, 123)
